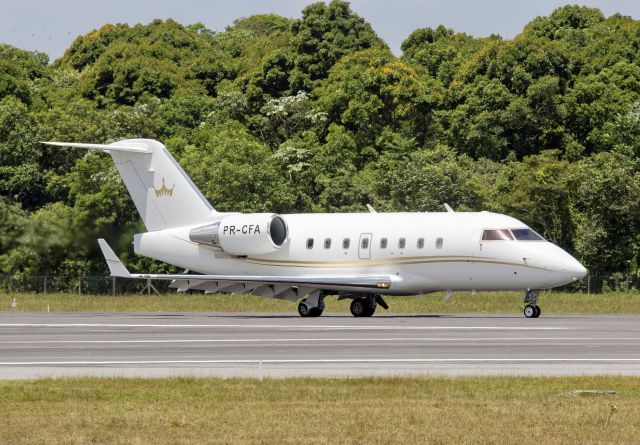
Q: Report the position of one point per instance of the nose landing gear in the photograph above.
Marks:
(531, 310)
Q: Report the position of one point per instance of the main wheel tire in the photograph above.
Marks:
(315, 312)
(303, 309)
(538, 312)
(358, 307)
(363, 307)
(530, 311)
(371, 309)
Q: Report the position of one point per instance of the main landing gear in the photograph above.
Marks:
(361, 306)
(366, 306)
(312, 306)
(531, 310)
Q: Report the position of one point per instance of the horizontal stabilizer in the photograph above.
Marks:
(163, 194)
(116, 267)
(129, 147)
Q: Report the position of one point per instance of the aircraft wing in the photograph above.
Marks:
(281, 287)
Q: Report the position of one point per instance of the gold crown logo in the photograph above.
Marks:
(164, 191)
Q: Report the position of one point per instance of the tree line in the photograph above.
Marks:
(317, 114)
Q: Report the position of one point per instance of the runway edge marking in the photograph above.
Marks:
(273, 326)
(321, 339)
(310, 361)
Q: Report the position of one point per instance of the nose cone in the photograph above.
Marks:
(568, 268)
(576, 270)
(561, 267)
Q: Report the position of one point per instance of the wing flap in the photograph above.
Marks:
(275, 291)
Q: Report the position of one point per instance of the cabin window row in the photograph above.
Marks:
(384, 242)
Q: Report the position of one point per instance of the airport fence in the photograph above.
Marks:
(598, 284)
(87, 285)
(101, 285)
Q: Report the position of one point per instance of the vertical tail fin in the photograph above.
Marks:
(161, 191)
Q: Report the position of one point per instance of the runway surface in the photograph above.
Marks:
(34, 345)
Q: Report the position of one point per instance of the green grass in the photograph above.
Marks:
(488, 410)
(461, 302)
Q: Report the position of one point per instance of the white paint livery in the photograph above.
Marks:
(355, 255)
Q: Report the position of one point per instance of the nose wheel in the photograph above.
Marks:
(531, 310)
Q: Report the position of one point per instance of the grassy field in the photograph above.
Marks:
(488, 410)
(462, 302)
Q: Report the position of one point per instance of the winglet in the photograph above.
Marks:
(116, 267)
(371, 209)
(448, 207)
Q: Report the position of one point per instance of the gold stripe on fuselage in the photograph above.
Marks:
(360, 261)
(377, 263)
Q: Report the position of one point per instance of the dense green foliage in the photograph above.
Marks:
(316, 114)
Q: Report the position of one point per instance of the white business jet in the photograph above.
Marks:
(308, 256)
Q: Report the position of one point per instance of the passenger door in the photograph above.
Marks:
(364, 246)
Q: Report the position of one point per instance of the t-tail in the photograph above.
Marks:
(161, 191)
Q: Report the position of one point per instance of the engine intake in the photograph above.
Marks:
(244, 234)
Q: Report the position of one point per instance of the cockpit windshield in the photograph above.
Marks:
(526, 235)
(510, 234)
(496, 234)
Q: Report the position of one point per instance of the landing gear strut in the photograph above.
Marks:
(366, 306)
(531, 310)
(312, 306)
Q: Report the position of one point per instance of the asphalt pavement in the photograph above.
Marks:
(34, 345)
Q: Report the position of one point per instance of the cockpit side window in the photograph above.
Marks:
(526, 235)
(496, 235)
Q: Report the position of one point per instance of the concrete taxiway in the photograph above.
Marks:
(34, 345)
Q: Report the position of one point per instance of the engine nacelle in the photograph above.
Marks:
(244, 234)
